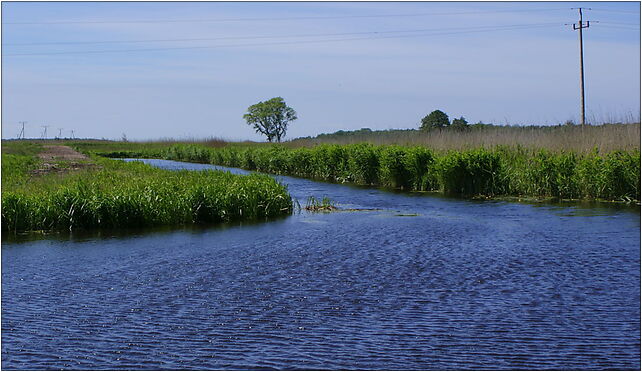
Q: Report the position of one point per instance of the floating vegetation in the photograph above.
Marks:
(324, 205)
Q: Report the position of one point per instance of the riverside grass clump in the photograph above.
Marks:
(134, 194)
(500, 171)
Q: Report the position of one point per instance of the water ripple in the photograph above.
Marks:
(464, 285)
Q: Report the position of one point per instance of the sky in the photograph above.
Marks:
(151, 70)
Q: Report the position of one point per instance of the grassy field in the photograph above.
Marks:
(481, 172)
(114, 194)
(561, 138)
(605, 138)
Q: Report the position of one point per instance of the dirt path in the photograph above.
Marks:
(61, 159)
(59, 152)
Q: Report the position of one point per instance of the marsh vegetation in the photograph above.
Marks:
(605, 138)
(564, 162)
(499, 171)
(116, 194)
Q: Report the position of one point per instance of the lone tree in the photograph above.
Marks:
(436, 119)
(270, 118)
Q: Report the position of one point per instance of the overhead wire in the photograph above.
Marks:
(375, 34)
(623, 27)
(472, 28)
(620, 23)
(497, 28)
(277, 18)
(615, 11)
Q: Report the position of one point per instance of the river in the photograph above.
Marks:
(422, 282)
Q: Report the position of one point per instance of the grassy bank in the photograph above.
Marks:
(501, 171)
(115, 194)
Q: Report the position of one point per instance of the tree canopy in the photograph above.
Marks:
(436, 119)
(270, 118)
(459, 124)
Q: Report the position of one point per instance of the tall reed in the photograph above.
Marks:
(503, 170)
(607, 138)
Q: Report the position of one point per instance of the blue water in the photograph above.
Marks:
(424, 282)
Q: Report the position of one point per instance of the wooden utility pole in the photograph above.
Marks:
(579, 26)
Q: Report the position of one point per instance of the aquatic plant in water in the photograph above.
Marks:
(324, 205)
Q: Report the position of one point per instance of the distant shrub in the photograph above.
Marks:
(459, 124)
(436, 119)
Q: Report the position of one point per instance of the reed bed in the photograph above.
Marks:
(121, 194)
(606, 138)
(501, 171)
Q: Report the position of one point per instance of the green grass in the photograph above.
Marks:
(488, 172)
(119, 194)
(502, 171)
(18, 159)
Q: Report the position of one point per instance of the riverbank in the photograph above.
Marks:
(111, 194)
(502, 171)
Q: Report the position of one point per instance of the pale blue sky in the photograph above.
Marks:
(514, 76)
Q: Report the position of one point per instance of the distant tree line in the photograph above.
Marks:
(271, 118)
(439, 120)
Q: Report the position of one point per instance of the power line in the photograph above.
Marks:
(274, 36)
(616, 11)
(503, 28)
(620, 23)
(625, 28)
(280, 18)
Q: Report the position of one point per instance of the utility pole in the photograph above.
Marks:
(72, 134)
(60, 132)
(22, 131)
(579, 26)
(44, 133)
